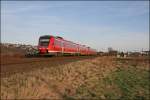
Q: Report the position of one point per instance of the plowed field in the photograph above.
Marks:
(11, 65)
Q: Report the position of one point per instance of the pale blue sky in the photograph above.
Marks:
(122, 25)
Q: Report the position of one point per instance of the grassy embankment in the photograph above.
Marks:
(99, 78)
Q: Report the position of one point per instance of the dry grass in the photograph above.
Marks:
(61, 82)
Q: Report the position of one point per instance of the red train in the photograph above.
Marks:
(52, 45)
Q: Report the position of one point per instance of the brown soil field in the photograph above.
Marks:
(17, 64)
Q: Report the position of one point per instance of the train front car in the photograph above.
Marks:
(44, 42)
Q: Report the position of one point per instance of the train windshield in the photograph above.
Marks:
(44, 41)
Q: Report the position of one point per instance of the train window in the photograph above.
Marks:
(44, 44)
(44, 41)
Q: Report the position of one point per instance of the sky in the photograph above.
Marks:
(122, 25)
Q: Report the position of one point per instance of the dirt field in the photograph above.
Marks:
(11, 65)
(94, 78)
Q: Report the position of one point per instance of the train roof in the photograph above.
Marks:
(46, 36)
(58, 37)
